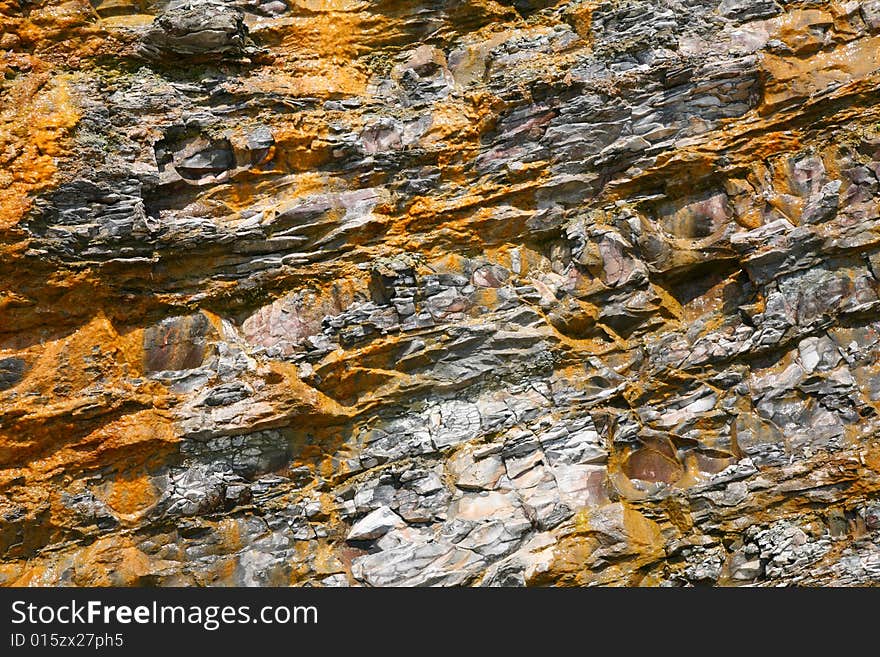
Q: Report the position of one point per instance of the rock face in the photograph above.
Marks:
(439, 293)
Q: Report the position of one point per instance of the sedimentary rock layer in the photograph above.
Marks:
(463, 292)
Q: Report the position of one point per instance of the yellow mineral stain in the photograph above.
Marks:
(229, 532)
(790, 78)
(128, 21)
(643, 534)
(581, 546)
(871, 456)
(10, 572)
(801, 29)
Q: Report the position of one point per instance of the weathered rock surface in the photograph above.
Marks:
(452, 293)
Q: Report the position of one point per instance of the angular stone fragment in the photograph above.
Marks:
(743, 10)
(11, 372)
(471, 473)
(198, 28)
(375, 524)
(176, 343)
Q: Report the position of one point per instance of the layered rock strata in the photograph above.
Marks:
(465, 292)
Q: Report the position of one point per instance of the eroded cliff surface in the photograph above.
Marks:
(464, 292)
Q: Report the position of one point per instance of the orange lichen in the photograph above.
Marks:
(301, 145)
(62, 32)
(129, 493)
(109, 561)
(37, 115)
(581, 19)
(143, 438)
(86, 374)
(122, 564)
(55, 17)
(315, 49)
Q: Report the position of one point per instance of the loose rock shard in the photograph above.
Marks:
(11, 372)
(375, 525)
(201, 28)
